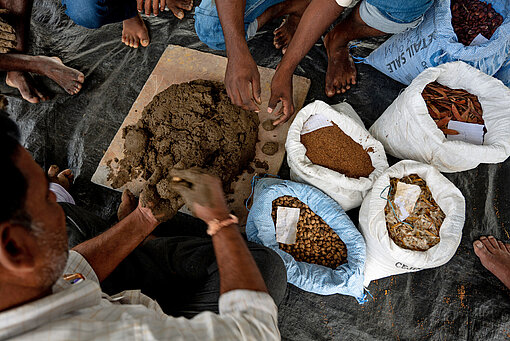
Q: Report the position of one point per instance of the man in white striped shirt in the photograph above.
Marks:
(50, 293)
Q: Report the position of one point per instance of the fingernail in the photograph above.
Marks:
(479, 244)
(269, 110)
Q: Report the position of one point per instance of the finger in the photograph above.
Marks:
(148, 6)
(139, 6)
(186, 5)
(273, 102)
(53, 171)
(155, 7)
(288, 110)
(247, 99)
(255, 86)
(162, 5)
(67, 173)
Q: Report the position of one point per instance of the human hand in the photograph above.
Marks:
(281, 90)
(64, 178)
(201, 192)
(149, 7)
(241, 73)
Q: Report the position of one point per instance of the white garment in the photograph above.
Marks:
(61, 193)
(82, 312)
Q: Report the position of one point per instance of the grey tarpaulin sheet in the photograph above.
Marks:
(460, 300)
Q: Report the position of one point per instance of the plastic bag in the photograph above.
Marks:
(404, 56)
(348, 192)
(407, 130)
(384, 257)
(347, 279)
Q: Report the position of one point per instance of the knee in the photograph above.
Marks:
(86, 13)
(208, 27)
(273, 270)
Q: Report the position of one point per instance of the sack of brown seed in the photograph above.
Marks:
(325, 237)
(408, 131)
(439, 39)
(384, 256)
(349, 186)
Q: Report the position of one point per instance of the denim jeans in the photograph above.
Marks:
(96, 13)
(402, 11)
(208, 26)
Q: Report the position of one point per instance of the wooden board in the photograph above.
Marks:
(177, 65)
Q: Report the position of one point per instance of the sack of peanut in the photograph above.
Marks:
(411, 220)
(322, 250)
(329, 148)
(452, 116)
(476, 32)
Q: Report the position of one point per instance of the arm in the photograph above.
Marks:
(241, 68)
(204, 194)
(318, 16)
(107, 250)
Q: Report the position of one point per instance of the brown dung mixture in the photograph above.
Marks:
(316, 242)
(330, 147)
(426, 218)
(186, 125)
(445, 104)
(473, 17)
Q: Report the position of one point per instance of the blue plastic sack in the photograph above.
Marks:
(404, 56)
(347, 279)
(504, 73)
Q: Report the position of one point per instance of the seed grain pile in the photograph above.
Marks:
(316, 242)
(445, 104)
(426, 218)
(473, 17)
(330, 147)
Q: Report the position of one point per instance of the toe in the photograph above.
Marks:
(81, 78)
(487, 244)
(507, 246)
(501, 246)
(480, 249)
(494, 242)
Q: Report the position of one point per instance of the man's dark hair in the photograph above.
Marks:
(14, 184)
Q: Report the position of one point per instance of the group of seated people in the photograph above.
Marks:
(66, 274)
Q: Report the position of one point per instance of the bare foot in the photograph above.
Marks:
(134, 32)
(293, 9)
(341, 72)
(64, 178)
(127, 205)
(25, 84)
(178, 6)
(284, 33)
(69, 79)
(495, 257)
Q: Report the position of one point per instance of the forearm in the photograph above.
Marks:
(105, 252)
(237, 268)
(231, 14)
(20, 11)
(318, 16)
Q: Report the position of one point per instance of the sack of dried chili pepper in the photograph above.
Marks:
(411, 129)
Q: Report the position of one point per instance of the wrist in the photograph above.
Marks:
(237, 49)
(144, 217)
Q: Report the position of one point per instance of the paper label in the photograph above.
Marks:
(479, 40)
(468, 132)
(315, 122)
(406, 196)
(286, 224)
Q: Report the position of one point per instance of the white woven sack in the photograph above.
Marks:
(407, 131)
(384, 257)
(348, 192)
